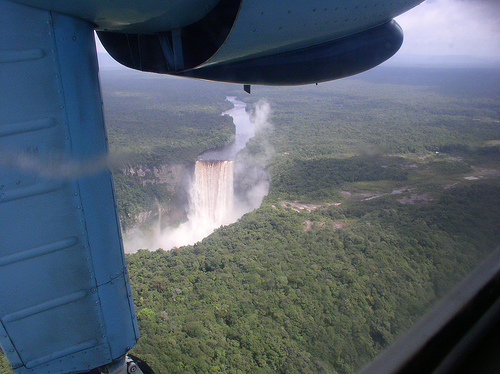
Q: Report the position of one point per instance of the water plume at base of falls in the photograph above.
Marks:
(212, 204)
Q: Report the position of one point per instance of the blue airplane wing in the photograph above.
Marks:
(66, 303)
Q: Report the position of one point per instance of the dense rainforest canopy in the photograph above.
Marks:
(384, 193)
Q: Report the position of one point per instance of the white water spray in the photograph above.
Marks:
(212, 193)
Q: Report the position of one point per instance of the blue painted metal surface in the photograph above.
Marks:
(264, 27)
(142, 16)
(324, 62)
(65, 298)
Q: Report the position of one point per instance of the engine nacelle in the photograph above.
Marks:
(324, 62)
(269, 42)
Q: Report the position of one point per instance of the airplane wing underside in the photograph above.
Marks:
(66, 301)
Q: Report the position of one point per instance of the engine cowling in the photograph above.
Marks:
(324, 62)
(269, 42)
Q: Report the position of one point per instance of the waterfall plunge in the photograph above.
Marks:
(211, 205)
(212, 199)
(212, 193)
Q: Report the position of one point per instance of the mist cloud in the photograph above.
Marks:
(59, 167)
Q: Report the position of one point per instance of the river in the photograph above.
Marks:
(244, 131)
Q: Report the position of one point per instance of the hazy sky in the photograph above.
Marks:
(452, 27)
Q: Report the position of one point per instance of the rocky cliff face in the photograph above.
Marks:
(162, 190)
(173, 175)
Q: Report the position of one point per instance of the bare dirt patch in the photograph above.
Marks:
(309, 225)
(336, 225)
(480, 173)
(414, 198)
(370, 195)
(295, 205)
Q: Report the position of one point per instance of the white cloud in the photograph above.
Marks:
(452, 27)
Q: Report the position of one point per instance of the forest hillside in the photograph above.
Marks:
(384, 193)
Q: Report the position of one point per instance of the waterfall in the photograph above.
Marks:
(212, 193)
(212, 200)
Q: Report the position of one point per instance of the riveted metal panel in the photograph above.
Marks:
(61, 258)
(269, 27)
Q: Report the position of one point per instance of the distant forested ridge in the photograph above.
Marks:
(385, 192)
(155, 119)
